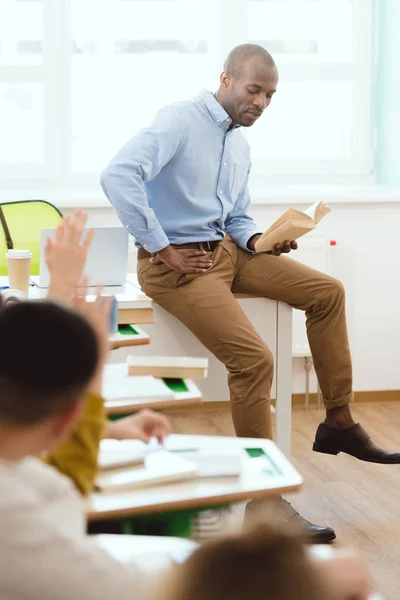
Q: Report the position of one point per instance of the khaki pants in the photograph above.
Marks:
(205, 304)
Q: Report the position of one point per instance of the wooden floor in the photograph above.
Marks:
(360, 501)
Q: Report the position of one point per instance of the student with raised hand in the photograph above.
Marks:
(45, 552)
(77, 457)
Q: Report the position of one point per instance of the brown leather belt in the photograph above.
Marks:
(207, 246)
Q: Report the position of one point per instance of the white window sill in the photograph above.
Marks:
(269, 195)
(332, 194)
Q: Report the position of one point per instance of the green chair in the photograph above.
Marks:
(20, 226)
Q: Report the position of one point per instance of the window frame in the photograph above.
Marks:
(55, 76)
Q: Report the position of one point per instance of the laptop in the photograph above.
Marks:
(107, 259)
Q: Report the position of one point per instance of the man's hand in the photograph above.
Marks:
(192, 261)
(66, 255)
(279, 249)
(142, 426)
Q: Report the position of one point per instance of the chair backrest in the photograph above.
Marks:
(24, 221)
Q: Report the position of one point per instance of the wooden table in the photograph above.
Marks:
(200, 493)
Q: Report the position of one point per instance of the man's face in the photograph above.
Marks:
(248, 95)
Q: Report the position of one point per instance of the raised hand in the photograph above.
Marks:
(66, 255)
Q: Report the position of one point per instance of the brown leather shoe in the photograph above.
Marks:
(354, 441)
(283, 511)
(313, 534)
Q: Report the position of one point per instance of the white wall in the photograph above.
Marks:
(367, 260)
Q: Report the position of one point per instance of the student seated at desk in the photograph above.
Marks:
(45, 553)
(77, 457)
(265, 563)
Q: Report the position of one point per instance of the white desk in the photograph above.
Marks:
(271, 319)
(179, 399)
(253, 483)
(133, 306)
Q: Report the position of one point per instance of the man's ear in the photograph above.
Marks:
(225, 79)
(65, 422)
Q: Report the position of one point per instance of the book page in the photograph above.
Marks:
(317, 211)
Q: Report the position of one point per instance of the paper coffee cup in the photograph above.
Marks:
(19, 268)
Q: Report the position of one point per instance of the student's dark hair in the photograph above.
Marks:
(265, 563)
(48, 355)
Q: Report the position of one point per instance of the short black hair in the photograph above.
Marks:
(48, 355)
(241, 54)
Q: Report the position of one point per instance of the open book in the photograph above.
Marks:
(292, 225)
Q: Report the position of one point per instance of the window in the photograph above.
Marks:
(79, 77)
(320, 122)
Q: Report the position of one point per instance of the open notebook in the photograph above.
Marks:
(115, 454)
(159, 468)
(292, 225)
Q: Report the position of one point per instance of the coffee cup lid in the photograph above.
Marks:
(19, 254)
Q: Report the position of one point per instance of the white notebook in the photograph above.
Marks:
(115, 454)
(117, 385)
(159, 468)
(216, 460)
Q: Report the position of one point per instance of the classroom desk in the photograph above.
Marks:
(181, 399)
(133, 306)
(272, 321)
(128, 336)
(199, 493)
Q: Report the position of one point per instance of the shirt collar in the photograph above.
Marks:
(218, 114)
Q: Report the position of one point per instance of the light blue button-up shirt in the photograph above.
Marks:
(184, 178)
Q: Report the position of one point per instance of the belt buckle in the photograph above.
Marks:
(208, 244)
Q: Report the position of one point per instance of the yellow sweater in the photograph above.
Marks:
(77, 458)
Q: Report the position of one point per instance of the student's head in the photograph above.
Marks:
(48, 355)
(265, 563)
(248, 82)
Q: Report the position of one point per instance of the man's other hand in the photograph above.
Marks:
(192, 261)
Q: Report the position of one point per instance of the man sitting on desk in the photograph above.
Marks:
(178, 186)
